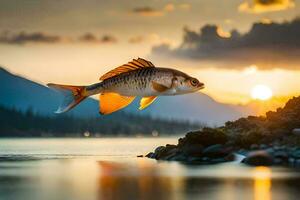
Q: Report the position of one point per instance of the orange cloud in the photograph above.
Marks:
(136, 39)
(148, 12)
(152, 12)
(169, 7)
(260, 6)
(222, 33)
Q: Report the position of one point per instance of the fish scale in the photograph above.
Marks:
(135, 82)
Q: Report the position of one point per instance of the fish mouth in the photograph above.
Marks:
(201, 86)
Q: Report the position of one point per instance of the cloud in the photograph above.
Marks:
(108, 39)
(91, 38)
(268, 45)
(260, 6)
(152, 38)
(167, 8)
(136, 39)
(40, 37)
(88, 37)
(36, 37)
(148, 12)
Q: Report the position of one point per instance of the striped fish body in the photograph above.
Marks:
(137, 83)
(119, 87)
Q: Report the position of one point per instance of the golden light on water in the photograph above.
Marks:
(261, 92)
(262, 183)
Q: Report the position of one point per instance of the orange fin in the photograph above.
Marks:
(159, 87)
(133, 65)
(146, 101)
(73, 95)
(111, 102)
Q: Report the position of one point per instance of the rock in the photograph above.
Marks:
(217, 160)
(271, 140)
(259, 158)
(215, 151)
(291, 161)
(170, 153)
(277, 161)
(159, 149)
(281, 157)
(241, 151)
(230, 157)
(281, 154)
(160, 152)
(296, 154)
(166, 152)
(270, 151)
(205, 159)
(192, 160)
(291, 149)
(192, 150)
(263, 146)
(171, 145)
(205, 137)
(140, 156)
(179, 157)
(296, 131)
(254, 146)
(150, 155)
(277, 147)
(297, 163)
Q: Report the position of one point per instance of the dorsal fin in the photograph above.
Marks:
(133, 65)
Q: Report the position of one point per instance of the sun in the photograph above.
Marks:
(261, 92)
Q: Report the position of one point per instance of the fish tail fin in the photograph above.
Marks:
(73, 95)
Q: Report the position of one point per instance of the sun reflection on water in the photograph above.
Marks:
(262, 183)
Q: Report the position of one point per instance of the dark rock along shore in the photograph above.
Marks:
(270, 140)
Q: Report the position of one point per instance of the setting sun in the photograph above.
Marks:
(261, 92)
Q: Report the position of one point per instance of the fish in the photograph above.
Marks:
(120, 86)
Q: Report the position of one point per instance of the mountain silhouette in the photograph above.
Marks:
(23, 94)
(196, 107)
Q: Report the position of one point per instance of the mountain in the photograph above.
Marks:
(20, 93)
(196, 107)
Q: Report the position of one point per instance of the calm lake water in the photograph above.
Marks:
(108, 169)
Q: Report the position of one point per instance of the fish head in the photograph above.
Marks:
(187, 84)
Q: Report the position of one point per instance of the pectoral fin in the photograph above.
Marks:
(146, 101)
(111, 102)
(159, 87)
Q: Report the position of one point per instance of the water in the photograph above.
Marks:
(108, 169)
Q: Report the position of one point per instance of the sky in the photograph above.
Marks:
(230, 45)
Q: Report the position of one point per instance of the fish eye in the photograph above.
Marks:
(194, 82)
